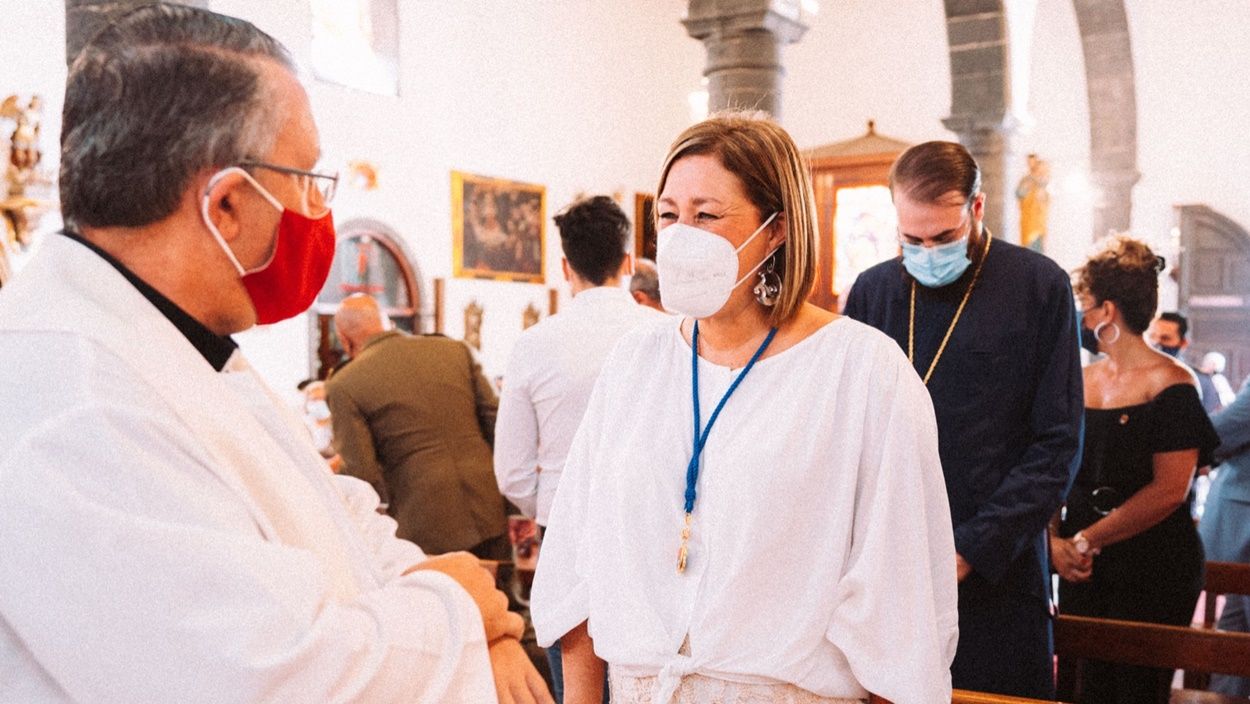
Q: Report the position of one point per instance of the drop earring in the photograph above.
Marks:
(769, 287)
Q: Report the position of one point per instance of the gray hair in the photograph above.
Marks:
(645, 279)
(156, 97)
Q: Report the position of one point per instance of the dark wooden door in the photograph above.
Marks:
(1215, 287)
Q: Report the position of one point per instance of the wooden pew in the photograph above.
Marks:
(1221, 578)
(963, 696)
(1153, 645)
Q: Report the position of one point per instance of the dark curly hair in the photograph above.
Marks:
(594, 233)
(1126, 272)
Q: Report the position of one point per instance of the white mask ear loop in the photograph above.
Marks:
(748, 241)
(208, 222)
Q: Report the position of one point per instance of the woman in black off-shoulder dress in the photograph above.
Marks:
(1125, 545)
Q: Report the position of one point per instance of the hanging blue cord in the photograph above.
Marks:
(692, 469)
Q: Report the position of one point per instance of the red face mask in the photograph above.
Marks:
(303, 251)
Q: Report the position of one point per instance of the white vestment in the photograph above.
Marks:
(168, 532)
(821, 552)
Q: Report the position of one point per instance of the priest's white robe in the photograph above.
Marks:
(168, 533)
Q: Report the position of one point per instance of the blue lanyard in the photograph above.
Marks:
(700, 441)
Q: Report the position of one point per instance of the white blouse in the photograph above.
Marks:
(821, 552)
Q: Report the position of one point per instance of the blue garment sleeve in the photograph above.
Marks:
(1233, 425)
(1034, 488)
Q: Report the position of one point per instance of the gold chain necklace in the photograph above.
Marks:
(911, 318)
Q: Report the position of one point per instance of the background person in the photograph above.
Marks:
(990, 328)
(1126, 547)
(800, 548)
(1169, 333)
(555, 363)
(414, 416)
(1225, 526)
(1216, 391)
(644, 285)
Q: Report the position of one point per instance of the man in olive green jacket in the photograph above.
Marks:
(415, 417)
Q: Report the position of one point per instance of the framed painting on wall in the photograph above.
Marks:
(497, 228)
(644, 226)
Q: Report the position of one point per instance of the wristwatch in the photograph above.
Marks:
(1081, 543)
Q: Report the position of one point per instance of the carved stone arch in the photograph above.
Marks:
(370, 257)
(1112, 88)
(1214, 273)
(981, 103)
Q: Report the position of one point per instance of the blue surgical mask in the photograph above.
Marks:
(1170, 350)
(938, 265)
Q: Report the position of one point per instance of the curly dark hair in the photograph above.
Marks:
(594, 233)
(1126, 272)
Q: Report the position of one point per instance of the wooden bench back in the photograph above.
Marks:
(961, 696)
(1152, 645)
(1223, 578)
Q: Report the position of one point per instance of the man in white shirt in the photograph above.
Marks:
(167, 530)
(555, 363)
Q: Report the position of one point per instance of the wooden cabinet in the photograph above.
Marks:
(857, 225)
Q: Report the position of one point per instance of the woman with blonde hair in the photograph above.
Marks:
(753, 509)
(1125, 546)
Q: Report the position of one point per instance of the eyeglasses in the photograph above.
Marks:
(326, 184)
(962, 230)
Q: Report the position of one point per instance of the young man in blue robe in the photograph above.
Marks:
(991, 329)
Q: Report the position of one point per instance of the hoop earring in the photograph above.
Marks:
(768, 290)
(1098, 332)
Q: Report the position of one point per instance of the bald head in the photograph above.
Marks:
(358, 319)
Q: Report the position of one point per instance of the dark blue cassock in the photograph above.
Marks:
(1009, 401)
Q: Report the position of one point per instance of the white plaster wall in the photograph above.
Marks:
(1059, 130)
(865, 59)
(890, 61)
(585, 95)
(32, 61)
(582, 97)
(1193, 100)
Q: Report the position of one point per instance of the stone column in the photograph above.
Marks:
(980, 96)
(1111, 84)
(83, 18)
(992, 145)
(744, 40)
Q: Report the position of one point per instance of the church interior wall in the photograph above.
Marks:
(1193, 142)
(584, 97)
(569, 95)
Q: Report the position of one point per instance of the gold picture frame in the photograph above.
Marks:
(498, 229)
(644, 226)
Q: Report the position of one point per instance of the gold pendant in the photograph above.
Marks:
(683, 552)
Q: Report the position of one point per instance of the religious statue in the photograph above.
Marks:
(1034, 203)
(473, 325)
(24, 153)
(19, 211)
(530, 316)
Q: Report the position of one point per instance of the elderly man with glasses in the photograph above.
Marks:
(167, 530)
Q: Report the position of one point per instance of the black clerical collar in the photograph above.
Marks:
(215, 348)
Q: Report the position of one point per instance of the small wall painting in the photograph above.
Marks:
(497, 228)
